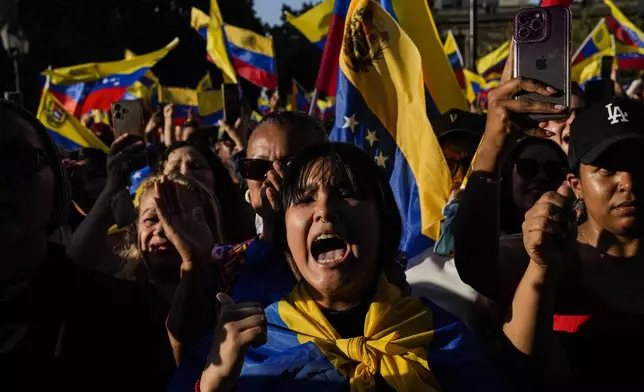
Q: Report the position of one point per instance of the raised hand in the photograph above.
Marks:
(270, 198)
(239, 327)
(126, 153)
(188, 231)
(550, 227)
(168, 111)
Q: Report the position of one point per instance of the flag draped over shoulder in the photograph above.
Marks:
(491, 65)
(82, 88)
(380, 107)
(455, 58)
(586, 62)
(65, 129)
(314, 23)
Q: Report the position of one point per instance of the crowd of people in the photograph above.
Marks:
(262, 257)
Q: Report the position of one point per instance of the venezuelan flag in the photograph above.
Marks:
(455, 58)
(211, 28)
(414, 17)
(633, 36)
(211, 107)
(326, 108)
(314, 23)
(629, 45)
(205, 84)
(381, 108)
(491, 65)
(185, 101)
(253, 57)
(475, 85)
(141, 89)
(66, 130)
(598, 43)
(82, 88)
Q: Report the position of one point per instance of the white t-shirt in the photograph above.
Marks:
(435, 277)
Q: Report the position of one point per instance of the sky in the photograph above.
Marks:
(269, 10)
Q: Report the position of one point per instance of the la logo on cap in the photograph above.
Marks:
(615, 114)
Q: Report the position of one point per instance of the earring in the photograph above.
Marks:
(580, 209)
(247, 196)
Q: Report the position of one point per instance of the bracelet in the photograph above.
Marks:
(198, 385)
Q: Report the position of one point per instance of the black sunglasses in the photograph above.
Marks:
(21, 163)
(256, 168)
(530, 168)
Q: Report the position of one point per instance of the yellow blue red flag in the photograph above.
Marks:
(491, 65)
(455, 58)
(314, 23)
(206, 105)
(475, 85)
(95, 86)
(66, 130)
(629, 39)
(141, 89)
(415, 18)
(211, 28)
(381, 108)
(585, 61)
(252, 55)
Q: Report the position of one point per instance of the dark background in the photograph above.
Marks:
(71, 32)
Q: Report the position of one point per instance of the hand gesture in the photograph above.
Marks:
(168, 111)
(269, 194)
(239, 327)
(234, 133)
(188, 232)
(550, 227)
(155, 122)
(125, 153)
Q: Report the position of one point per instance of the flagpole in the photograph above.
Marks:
(314, 99)
(472, 34)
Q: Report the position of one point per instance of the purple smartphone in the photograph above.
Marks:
(542, 52)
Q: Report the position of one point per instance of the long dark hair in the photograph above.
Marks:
(238, 222)
(62, 199)
(345, 165)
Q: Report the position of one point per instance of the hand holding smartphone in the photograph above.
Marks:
(127, 117)
(542, 52)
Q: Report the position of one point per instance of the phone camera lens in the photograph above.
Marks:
(536, 24)
(524, 33)
(524, 19)
(537, 15)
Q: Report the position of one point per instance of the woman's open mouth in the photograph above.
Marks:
(161, 247)
(329, 249)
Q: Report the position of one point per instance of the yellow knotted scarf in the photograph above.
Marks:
(396, 332)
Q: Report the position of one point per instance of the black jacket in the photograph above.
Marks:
(70, 329)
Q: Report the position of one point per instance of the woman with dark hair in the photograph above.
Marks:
(196, 161)
(344, 325)
(70, 327)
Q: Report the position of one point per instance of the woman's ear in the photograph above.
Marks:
(575, 184)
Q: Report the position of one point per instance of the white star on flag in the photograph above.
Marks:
(136, 176)
(350, 122)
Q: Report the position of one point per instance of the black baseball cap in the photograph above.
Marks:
(456, 120)
(602, 124)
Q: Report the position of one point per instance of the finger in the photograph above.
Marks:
(508, 68)
(517, 86)
(271, 196)
(224, 299)
(252, 321)
(238, 123)
(279, 168)
(566, 191)
(161, 213)
(176, 204)
(552, 198)
(546, 210)
(274, 178)
(251, 336)
(531, 106)
(546, 226)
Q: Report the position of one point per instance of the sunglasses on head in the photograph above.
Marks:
(20, 163)
(256, 168)
(530, 168)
